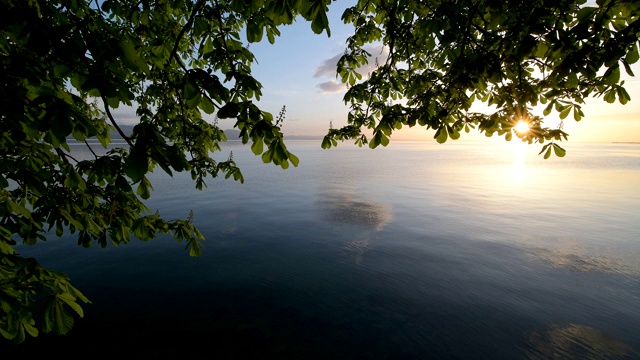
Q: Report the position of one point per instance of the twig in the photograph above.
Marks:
(91, 149)
(174, 51)
(64, 156)
(113, 121)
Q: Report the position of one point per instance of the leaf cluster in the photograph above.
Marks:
(65, 65)
(441, 57)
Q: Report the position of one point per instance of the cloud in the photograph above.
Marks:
(328, 67)
(332, 86)
(378, 53)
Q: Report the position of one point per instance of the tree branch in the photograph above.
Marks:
(90, 149)
(187, 26)
(113, 121)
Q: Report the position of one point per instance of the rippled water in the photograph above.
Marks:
(417, 250)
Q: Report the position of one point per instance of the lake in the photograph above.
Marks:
(414, 251)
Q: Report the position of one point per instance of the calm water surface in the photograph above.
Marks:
(415, 251)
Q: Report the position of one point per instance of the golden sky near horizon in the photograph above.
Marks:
(603, 122)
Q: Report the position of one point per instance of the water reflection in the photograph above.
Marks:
(576, 341)
(348, 209)
(356, 249)
(575, 258)
(519, 162)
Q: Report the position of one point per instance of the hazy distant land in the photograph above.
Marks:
(232, 134)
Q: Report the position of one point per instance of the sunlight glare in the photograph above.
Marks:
(521, 127)
(519, 163)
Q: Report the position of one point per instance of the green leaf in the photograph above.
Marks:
(30, 329)
(194, 247)
(70, 301)
(144, 188)
(294, 160)
(131, 58)
(17, 208)
(267, 157)
(229, 110)
(560, 152)
(73, 221)
(194, 102)
(17, 322)
(320, 23)
(137, 163)
(7, 335)
(208, 46)
(257, 146)
(190, 91)
(6, 249)
(384, 140)
(74, 180)
(545, 147)
(375, 141)
(585, 13)
(623, 95)
(254, 32)
(453, 133)
(206, 105)
(271, 34)
(610, 96)
(326, 142)
(441, 135)
(572, 80)
(177, 158)
(612, 75)
(56, 318)
(628, 69)
(632, 56)
(93, 226)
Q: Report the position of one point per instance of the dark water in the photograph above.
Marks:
(461, 251)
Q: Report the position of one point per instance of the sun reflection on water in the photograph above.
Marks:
(519, 166)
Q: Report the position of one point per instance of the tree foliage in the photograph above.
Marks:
(442, 56)
(66, 64)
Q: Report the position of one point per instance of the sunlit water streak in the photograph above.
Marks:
(417, 250)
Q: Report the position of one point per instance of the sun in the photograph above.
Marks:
(521, 127)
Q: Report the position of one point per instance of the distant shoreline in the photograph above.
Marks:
(234, 134)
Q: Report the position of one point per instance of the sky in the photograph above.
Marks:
(298, 72)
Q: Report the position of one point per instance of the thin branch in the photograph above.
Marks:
(113, 121)
(99, 8)
(90, 149)
(187, 26)
(64, 156)
(224, 43)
